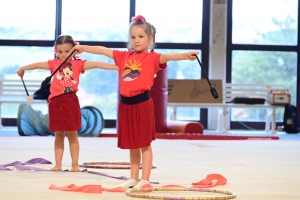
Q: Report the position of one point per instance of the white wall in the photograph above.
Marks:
(217, 50)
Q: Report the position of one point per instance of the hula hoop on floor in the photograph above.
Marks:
(133, 193)
(108, 165)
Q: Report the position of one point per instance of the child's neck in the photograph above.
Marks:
(142, 51)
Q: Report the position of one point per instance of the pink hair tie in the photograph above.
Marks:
(138, 18)
(76, 43)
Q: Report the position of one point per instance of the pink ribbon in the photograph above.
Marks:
(211, 180)
(21, 166)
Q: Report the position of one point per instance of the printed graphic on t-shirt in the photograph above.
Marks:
(65, 78)
(132, 70)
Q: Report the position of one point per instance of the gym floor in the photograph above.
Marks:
(13, 131)
(254, 169)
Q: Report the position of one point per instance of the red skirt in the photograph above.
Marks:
(136, 125)
(64, 113)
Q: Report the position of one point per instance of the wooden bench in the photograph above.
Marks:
(229, 92)
(13, 92)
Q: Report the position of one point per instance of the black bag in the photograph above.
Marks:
(291, 121)
(42, 93)
(248, 100)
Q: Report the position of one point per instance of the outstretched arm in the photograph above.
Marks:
(93, 49)
(38, 65)
(164, 58)
(102, 65)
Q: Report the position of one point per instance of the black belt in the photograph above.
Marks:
(135, 99)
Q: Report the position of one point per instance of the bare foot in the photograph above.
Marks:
(75, 168)
(56, 168)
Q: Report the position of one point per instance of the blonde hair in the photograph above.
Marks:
(150, 30)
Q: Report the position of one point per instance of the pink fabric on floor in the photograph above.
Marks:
(211, 180)
(85, 189)
(74, 188)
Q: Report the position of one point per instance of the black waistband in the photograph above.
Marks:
(135, 99)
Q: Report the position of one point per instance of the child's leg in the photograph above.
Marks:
(58, 150)
(74, 149)
(147, 158)
(135, 162)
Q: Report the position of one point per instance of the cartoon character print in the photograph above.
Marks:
(66, 80)
(132, 70)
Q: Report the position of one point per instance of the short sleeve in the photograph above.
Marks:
(80, 64)
(156, 60)
(51, 65)
(118, 56)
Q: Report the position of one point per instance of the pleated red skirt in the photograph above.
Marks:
(136, 125)
(64, 113)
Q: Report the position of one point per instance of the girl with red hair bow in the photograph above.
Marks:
(137, 69)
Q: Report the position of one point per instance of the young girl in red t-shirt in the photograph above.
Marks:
(137, 69)
(64, 108)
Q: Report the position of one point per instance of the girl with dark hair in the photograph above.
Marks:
(64, 107)
(137, 69)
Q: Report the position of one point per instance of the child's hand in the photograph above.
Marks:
(21, 72)
(78, 49)
(191, 55)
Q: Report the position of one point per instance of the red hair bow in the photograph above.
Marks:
(138, 18)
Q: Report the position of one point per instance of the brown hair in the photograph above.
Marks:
(65, 39)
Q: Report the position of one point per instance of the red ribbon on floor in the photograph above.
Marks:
(85, 188)
(211, 180)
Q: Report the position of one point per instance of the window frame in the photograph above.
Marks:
(231, 47)
(204, 47)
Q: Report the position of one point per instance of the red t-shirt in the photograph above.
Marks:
(66, 79)
(136, 71)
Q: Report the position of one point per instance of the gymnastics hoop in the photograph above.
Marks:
(132, 193)
(103, 165)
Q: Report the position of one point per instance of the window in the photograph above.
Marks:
(262, 48)
(29, 36)
(90, 20)
(183, 70)
(179, 23)
(254, 67)
(30, 19)
(99, 87)
(261, 23)
(182, 23)
(12, 58)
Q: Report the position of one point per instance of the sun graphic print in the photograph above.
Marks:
(132, 70)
